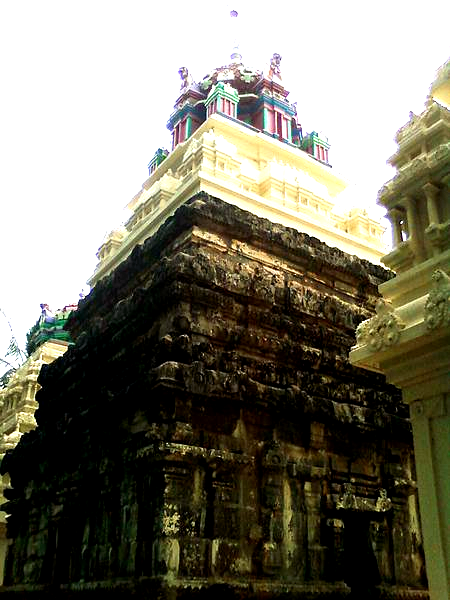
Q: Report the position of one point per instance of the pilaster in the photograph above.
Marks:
(430, 418)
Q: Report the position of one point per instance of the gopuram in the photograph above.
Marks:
(409, 338)
(47, 340)
(206, 435)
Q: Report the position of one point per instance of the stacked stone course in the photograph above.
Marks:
(206, 435)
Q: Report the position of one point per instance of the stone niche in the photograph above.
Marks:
(206, 435)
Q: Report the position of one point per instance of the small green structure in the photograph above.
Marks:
(160, 155)
(49, 326)
(222, 98)
(316, 145)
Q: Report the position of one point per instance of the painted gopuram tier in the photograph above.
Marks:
(206, 436)
(236, 136)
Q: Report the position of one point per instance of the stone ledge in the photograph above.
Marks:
(184, 589)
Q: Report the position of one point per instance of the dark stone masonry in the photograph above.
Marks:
(207, 437)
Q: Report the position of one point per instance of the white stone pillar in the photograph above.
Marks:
(414, 228)
(431, 192)
(394, 217)
(431, 428)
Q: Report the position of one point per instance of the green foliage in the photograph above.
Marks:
(4, 379)
(14, 351)
(13, 358)
(31, 339)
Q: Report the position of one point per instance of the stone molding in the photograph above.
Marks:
(414, 174)
(420, 125)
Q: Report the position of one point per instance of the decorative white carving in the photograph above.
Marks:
(439, 154)
(382, 330)
(437, 307)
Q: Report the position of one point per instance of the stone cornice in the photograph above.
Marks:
(417, 173)
(432, 121)
(221, 216)
(258, 144)
(404, 341)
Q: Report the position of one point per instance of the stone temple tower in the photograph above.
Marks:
(206, 435)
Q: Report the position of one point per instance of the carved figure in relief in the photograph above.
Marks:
(383, 502)
(347, 499)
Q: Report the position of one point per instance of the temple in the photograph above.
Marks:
(409, 338)
(47, 340)
(206, 435)
(235, 135)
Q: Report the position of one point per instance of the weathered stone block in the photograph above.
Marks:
(221, 434)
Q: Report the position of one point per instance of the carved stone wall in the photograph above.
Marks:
(17, 407)
(206, 435)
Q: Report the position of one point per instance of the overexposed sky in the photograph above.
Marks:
(87, 88)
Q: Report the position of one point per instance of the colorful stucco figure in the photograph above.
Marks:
(186, 79)
(47, 315)
(274, 69)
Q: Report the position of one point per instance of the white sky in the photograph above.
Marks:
(87, 88)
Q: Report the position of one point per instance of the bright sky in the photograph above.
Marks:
(88, 86)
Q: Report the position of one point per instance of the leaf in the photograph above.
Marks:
(13, 351)
(4, 379)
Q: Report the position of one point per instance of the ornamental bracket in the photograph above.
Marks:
(381, 331)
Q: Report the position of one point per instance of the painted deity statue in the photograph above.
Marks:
(47, 315)
(186, 79)
(274, 69)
